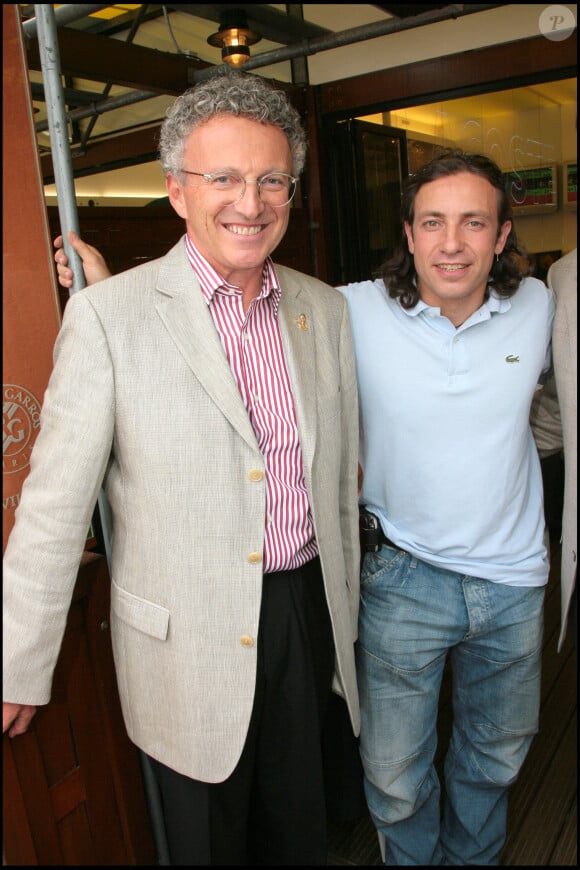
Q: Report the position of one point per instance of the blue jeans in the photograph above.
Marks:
(412, 614)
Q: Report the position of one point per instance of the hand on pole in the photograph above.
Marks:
(94, 265)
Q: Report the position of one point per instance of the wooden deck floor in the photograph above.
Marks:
(542, 816)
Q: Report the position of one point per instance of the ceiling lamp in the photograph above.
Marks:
(233, 37)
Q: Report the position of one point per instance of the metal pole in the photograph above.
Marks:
(364, 32)
(63, 15)
(62, 162)
(104, 105)
(57, 125)
(63, 176)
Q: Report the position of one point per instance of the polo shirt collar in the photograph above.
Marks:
(494, 304)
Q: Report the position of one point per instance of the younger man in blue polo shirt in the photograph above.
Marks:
(450, 346)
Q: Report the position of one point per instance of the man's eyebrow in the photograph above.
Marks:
(441, 214)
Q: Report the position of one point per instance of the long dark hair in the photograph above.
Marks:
(399, 272)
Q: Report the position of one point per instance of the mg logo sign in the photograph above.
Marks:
(20, 425)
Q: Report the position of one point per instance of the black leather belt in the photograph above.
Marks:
(372, 537)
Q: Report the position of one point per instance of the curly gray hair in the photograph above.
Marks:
(229, 93)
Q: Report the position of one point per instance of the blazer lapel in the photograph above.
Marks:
(183, 309)
(297, 330)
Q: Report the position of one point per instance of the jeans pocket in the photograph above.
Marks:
(377, 566)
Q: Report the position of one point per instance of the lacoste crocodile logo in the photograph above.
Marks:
(512, 358)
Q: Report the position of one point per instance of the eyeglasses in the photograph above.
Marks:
(275, 188)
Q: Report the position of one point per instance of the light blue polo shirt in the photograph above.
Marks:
(450, 464)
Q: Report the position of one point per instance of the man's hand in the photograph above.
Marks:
(94, 265)
(16, 717)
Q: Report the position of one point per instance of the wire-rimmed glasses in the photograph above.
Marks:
(274, 188)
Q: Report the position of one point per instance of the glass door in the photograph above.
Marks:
(367, 166)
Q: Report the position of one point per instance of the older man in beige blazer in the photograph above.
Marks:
(563, 280)
(144, 399)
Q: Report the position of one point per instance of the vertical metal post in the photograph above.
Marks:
(299, 65)
(63, 175)
(57, 126)
(68, 214)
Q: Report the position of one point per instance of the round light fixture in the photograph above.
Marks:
(234, 38)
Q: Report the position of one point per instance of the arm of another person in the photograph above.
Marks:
(94, 265)
(545, 419)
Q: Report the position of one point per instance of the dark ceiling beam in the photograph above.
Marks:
(101, 107)
(405, 10)
(129, 149)
(509, 65)
(98, 58)
(72, 96)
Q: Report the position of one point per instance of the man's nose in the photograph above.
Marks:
(250, 204)
(452, 238)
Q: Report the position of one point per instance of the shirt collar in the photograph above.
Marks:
(211, 281)
(493, 304)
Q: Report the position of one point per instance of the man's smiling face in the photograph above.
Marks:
(234, 238)
(454, 238)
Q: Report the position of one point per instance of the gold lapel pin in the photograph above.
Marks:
(301, 322)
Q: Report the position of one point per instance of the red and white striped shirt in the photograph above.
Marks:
(253, 346)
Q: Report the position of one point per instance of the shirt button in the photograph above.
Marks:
(255, 474)
(246, 640)
(254, 558)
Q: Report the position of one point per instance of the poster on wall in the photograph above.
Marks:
(533, 191)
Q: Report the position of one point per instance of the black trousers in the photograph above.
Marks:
(271, 809)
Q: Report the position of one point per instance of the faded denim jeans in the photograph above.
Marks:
(412, 615)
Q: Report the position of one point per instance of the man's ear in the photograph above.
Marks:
(176, 198)
(409, 234)
(502, 237)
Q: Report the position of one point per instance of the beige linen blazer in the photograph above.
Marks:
(142, 399)
(563, 281)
